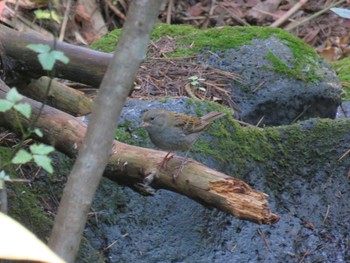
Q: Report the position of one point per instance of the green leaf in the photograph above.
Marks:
(42, 14)
(47, 60)
(38, 132)
(55, 16)
(24, 108)
(4, 176)
(22, 157)
(60, 56)
(41, 149)
(13, 95)
(5, 105)
(2, 179)
(46, 14)
(48, 57)
(39, 48)
(193, 78)
(44, 162)
(342, 12)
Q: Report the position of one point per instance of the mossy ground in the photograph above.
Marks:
(33, 204)
(24, 202)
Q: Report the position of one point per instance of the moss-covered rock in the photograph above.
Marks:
(342, 68)
(298, 165)
(283, 78)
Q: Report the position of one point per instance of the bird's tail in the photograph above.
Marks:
(213, 116)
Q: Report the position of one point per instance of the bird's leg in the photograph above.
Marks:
(166, 159)
(183, 163)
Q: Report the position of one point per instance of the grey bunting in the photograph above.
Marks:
(172, 131)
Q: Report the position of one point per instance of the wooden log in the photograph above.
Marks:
(85, 65)
(137, 166)
(60, 96)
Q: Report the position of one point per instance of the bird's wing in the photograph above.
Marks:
(189, 124)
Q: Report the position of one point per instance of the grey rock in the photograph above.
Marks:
(172, 228)
(282, 98)
(169, 227)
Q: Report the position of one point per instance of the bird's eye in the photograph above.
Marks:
(152, 118)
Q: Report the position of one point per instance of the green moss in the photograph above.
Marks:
(342, 68)
(110, 198)
(107, 43)
(229, 144)
(294, 72)
(128, 133)
(28, 210)
(24, 204)
(228, 141)
(296, 139)
(5, 154)
(191, 40)
(271, 148)
(122, 134)
(88, 254)
(161, 30)
(26, 200)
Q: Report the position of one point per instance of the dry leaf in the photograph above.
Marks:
(195, 10)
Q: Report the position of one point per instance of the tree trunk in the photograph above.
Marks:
(94, 153)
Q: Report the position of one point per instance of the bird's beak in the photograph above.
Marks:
(144, 125)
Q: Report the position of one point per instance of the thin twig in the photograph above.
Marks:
(244, 123)
(308, 252)
(260, 121)
(288, 14)
(344, 154)
(264, 239)
(264, 12)
(190, 92)
(326, 215)
(169, 12)
(259, 86)
(19, 181)
(233, 15)
(296, 24)
(301, 114)
(116, 11)
(65, 20)
(343, 111)
(110, 245)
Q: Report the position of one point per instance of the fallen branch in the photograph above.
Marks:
(85, 65)
(59, 96)
(137, 166)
